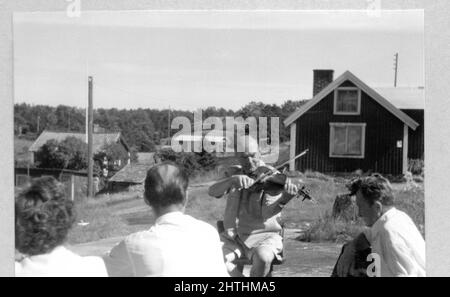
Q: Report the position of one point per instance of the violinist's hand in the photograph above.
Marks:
(290, 187)
(242, 182)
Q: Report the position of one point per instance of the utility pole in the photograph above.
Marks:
(395, 68)
(38, 119)
(168, 124)
(90, 140)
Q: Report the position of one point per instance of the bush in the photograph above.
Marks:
(71, 153)
(326, 228)
(416, 166)
(317, 175)
(193, 163)
(412, 201)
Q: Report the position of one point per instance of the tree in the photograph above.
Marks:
(112, 152)
(71, 153)
(192, 163)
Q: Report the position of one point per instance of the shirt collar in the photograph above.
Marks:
(169, 217)
(382, 220)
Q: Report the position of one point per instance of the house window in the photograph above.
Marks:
(347, 140)
(347, 101)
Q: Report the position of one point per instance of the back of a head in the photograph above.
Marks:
(165, 185)
(43, 216)
(374, 188)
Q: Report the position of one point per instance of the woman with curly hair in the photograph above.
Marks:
(43, 219)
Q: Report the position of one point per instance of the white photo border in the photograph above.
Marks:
(437, 75)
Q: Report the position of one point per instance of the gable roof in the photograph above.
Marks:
(347, 75)
(132, 173)
(146, 158)
(99, 139)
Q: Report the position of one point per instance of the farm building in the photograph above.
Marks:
(132, 173)
(99, 139)
(348, 125)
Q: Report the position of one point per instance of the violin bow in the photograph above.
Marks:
(274, 170)
(293, 159)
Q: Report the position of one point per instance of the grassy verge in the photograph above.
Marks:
(326, 228)
(124, 213)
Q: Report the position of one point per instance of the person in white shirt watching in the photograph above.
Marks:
(392, 235)
(44, 217)
(177, 244)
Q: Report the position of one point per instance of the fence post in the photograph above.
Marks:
(72, 187)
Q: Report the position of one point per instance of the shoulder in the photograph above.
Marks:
(201, 225)
(61, 262)
(139, 237)
(399, 226)
(397, 220)
(90, 265)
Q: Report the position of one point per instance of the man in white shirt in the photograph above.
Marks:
(392, 236)
(177, 244)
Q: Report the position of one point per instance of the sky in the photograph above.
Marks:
(195, 59)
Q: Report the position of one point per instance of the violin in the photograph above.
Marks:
(272, 182)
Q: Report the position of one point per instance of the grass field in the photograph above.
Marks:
(123, 213)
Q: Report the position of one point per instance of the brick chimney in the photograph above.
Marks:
(321, 79)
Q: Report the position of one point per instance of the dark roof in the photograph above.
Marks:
(100, 139)
(133, 173)
(347, 75)
(146, 158)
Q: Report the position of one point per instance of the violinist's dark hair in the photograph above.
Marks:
(374, 188)
(43, 216)
(165, 185)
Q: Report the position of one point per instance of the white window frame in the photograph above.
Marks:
(363, 140)
(335, 111)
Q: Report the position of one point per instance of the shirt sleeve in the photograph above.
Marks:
(118, 262)
(397, 255)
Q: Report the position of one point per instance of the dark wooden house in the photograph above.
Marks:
(348, 125)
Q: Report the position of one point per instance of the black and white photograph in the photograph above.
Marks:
(219, 143)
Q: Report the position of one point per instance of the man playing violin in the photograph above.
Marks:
(251, 215)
